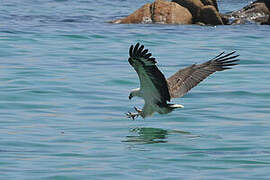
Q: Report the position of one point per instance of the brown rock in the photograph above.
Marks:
(162, 12)
(193, 6)
(210, 2)
(142, 15)
(238, 21)
(165, 12)
(266, 2)
(257, 12)
(256, 8)
(225, 19)
(210, 16)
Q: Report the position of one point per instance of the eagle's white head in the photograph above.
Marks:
(134, 92)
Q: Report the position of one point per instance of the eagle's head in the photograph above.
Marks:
(134, 92)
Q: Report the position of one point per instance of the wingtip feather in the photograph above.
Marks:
(140, 54)
(136, 47)
(223, 62)
(130, 50)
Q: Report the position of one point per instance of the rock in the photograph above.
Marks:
(161, 12)
(200, 23)
(225, 19)
(255, 8)
(268, 22)
(170, 13)
(142, 15)
(210, 16)
(203, 11)
(257, 12)
(193, 6)
(210, 2)
(266, 2)
(238, 21)
(197, 12)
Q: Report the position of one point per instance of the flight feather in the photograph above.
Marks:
(145, 66)
(185, 79)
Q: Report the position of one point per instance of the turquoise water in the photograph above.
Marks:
(64, 86)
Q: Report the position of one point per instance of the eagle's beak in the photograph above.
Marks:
(130, 96)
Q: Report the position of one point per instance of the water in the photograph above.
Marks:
(64, 86)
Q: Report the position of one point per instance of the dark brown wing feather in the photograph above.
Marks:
(185, 79)
(143, 63)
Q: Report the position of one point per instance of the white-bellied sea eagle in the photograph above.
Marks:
(157, 91)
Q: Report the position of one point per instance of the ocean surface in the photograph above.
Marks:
(64, 86)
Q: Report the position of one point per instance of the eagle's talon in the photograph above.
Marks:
(132, 115)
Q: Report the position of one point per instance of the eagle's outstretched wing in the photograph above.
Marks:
(185, 79)
(152, 81)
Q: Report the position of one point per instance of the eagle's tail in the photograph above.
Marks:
(174, 106)
(168, 108)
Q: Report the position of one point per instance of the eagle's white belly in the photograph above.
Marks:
(151, 97)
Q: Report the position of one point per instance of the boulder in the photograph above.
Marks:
(161, 12)
(266, 2)
(197, 12)
(193, 6)
(141, 15)
(170, 13)
(210, 16)
(254, 8)
(225, 19)
(257, 12)
(210, 2)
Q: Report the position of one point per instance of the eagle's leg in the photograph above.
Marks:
(138, 110)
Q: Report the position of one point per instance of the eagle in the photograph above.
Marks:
(157, 91)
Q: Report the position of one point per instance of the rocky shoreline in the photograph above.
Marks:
(201, 12)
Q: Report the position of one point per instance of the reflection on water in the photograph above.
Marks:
(151, 135)
(148, 135)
